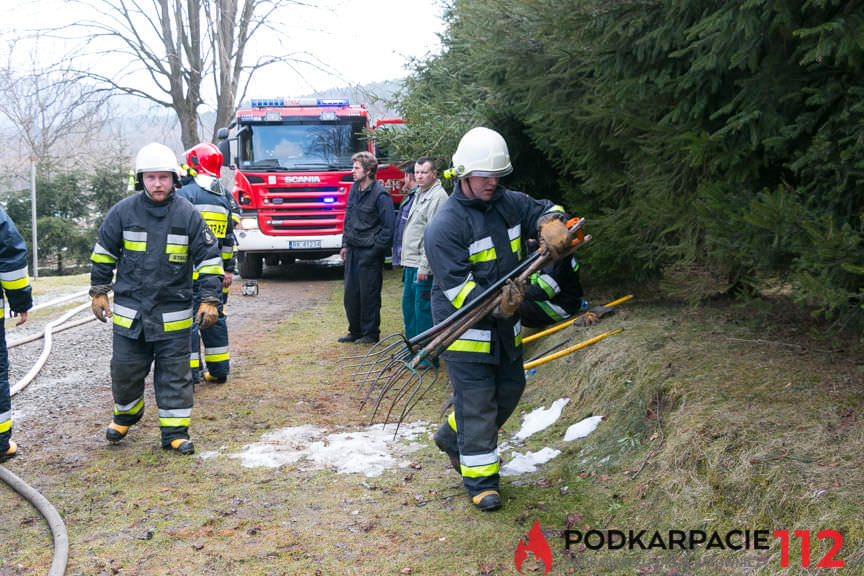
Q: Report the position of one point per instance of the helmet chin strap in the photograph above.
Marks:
(466, 182)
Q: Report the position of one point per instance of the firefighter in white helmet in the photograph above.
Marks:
(154, 240)
(476, 238)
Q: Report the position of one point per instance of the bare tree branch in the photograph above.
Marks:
(175, 45)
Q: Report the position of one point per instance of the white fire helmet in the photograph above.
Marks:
(482, 152)
(155, 157)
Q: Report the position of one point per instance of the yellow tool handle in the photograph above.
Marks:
(539, 361)
(566, 323)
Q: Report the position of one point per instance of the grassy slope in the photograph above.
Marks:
(702, 431)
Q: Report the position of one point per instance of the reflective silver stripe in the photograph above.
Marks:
(558, 310)
(99, 249)
(5, 416)
(475, 460)
(477, 335)
(210, 262)
(517, 328)
(194, 356)
(175, 316)
(177, 239)
(127, 407)
(551, 282)
(13, 275)
(212, 208)
(480, 245)
(453, 292)
(121, 310)
(515, 232)
(215, 350)
(134, 236)
(175, 413)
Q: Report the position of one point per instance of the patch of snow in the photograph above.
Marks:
(528, 462)
(582, 428)
(369, 451)
(540, 419)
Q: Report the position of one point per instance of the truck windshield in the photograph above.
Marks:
(301, 147)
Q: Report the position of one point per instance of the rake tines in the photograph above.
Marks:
(377, 358)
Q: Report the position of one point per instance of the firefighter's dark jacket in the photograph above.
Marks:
(369, 219)
(470, 245)
(216, 211)
(13, 267)
(155, 248)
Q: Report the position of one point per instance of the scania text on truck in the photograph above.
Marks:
(292, 174)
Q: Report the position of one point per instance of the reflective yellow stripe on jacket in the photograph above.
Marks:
(180, 320)
(473, 340)
(134, 241)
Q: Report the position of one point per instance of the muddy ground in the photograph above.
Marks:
(62, 414)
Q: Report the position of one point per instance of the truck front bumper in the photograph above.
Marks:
(254, 241)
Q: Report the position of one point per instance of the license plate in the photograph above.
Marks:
(304, 244)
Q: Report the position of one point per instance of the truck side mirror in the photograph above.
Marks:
(224, 146)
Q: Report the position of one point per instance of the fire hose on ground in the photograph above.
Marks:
(55, 522)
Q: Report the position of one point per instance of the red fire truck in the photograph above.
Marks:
(292, 173)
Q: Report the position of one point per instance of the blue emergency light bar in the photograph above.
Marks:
(298, 102)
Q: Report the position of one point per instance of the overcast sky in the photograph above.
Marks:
(356, 41)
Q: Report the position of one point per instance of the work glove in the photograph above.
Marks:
(554, 237)
(512, 294)
(101, 308)
(594, 315)
(207, 315)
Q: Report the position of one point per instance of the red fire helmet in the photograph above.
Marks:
(205, 158)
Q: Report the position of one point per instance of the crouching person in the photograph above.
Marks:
(155, 240)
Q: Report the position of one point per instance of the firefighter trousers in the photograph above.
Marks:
(362, 298)
(215, 340)
(172, 382)
(5, 399)
(484, 397)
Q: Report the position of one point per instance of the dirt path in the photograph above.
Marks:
(61, 416)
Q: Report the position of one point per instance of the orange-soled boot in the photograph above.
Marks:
(116, 432)
(487, 501)
(181, 446)
(10, 453)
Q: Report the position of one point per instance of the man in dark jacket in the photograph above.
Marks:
(16, 286)
(474, 240)
(155, 240)
(366, 237)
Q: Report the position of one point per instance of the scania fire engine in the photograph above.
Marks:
(292, 174)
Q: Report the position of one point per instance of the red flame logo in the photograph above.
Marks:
(537, 545)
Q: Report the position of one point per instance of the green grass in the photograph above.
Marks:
(708, 426)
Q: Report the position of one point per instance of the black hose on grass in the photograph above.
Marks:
(55, 522)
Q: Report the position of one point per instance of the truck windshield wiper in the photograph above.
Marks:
(267, 163)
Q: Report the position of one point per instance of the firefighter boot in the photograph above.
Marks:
(116, 432)
(445, 445)
(487, 501)
(182, 446)
(10, 453)
(213, 379)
